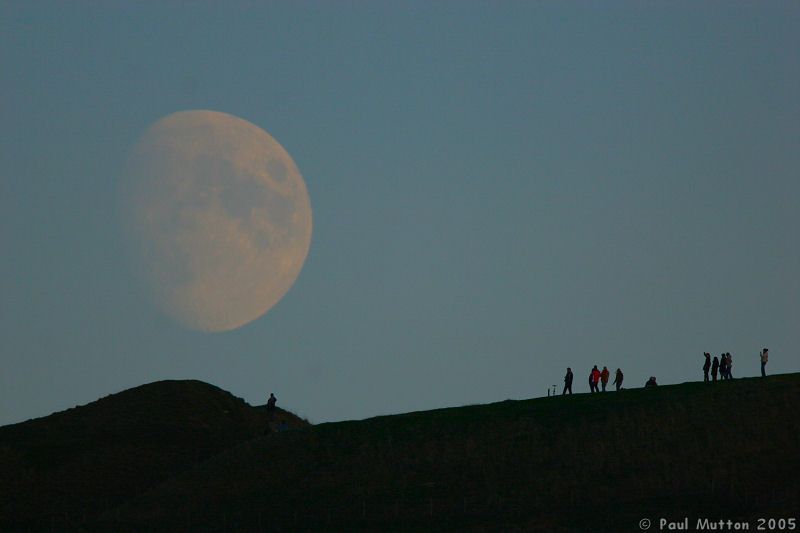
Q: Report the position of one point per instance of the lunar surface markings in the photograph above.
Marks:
(218, 216)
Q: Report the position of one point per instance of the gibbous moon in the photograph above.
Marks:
(218, 216)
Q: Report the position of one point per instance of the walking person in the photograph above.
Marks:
(604, 377)
(594, 377)
(618, 379)
(714, 369)
(764, 360)
(729, 365)
(567, 382)
(706, 366)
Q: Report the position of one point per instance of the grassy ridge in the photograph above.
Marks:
(580, 463)
(61, 472)
(188, 456)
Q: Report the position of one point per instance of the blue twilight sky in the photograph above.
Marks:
(500, 190)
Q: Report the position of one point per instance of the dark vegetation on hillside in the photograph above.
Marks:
(581, 463)
(63, 471)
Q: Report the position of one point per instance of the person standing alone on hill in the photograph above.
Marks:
(604, 377)
(706, 366)
(764, 359)
(271, 405)
(618, 379)
(594, 377)
(567, 382)
(714, 368)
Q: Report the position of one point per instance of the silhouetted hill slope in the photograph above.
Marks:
(60, 471)
(582, 463)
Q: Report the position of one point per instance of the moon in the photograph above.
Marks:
(218, 218)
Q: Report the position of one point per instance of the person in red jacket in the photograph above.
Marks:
(594, 378)
(604, 377)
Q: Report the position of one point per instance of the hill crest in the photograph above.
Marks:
(578, 463)
(94, 457)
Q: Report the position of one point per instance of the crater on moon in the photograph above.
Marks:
(218, 216)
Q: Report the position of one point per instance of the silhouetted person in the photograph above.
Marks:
(618, 379)
(729, 366)
(594, 377)
(764, 360)
(604, 378)
(706, 366)
(723, 366)
(271, 405)
(651, 382)
(714, 368)
(568, 382)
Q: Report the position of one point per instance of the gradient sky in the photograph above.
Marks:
(500, 190)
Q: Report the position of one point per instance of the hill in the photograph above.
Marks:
(582, 463)
(64, 470)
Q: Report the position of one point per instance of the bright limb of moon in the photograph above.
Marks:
(219, 218)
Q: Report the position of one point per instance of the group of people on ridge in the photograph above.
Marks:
(595, 377)
(721, 366)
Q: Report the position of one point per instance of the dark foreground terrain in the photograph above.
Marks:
(187, 456)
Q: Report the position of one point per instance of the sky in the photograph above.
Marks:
(499, 190)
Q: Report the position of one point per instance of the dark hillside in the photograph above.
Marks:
(187, 456)
(581, 463)
(67, 468)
